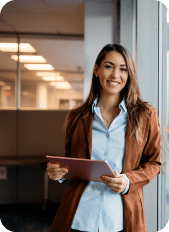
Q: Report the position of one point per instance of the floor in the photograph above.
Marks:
(28, 217)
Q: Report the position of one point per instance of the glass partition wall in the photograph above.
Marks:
(163, 178)
(50, 71)
(8, 72)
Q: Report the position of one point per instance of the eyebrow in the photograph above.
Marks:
(113, 63)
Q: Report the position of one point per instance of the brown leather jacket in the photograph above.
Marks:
(141, 164)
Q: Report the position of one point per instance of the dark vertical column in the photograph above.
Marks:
(18, 87)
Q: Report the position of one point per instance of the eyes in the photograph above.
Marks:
(111, 67)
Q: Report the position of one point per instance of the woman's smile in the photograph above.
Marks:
(113, 83)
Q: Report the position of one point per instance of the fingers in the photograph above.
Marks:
(55, 172)
(116, 174)
(55, 176)
(114, 180)
(51, 167)
(117, 185)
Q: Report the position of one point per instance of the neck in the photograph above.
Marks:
(109, 103)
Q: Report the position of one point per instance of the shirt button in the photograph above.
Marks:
(107, 135)
(101, 193)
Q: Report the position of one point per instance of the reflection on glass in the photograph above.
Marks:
(39, 66)
(167, 126)
(8, 72)
(56, 84)
(13, 47)
(29, 59)
(165, 120)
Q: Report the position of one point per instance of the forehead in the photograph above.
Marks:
(113, 57)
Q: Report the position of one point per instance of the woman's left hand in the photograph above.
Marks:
(117, 184)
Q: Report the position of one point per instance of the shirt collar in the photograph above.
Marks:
(122, 105)
(94, 104)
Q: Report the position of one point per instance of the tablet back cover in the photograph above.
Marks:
(82, 169)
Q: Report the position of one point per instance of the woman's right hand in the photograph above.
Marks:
(55, 172)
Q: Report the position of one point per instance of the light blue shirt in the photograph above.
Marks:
(100, 208)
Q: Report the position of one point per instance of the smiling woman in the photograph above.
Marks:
(127, 87)
(116, 125)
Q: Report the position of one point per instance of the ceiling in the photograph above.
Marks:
(47, 18)
(43, 16)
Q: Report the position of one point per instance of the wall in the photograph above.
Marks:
(37, 133)
(100, 29)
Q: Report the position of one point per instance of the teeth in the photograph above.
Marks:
(113, 83)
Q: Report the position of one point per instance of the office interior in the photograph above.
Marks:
(47, 54)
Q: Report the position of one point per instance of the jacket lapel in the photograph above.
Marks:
(128, 147)
(132, 147)
(88, 122)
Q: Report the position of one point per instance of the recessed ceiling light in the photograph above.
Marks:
(52, 78)
(47, 74)
(61, 85)
(13, 47)
(39, 66)
(29, 59)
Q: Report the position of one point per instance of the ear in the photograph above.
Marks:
(96, 69)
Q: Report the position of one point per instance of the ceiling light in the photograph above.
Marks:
(29, 59)
(39, 66)
(61, 85)
(53, 78)
(13, 47)
(46, 74)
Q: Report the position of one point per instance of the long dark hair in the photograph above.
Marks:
(131, 93)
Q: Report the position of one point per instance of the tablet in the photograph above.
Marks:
(83, 169)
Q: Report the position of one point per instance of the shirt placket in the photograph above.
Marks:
(107, 142)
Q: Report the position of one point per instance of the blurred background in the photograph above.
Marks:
(47, 53)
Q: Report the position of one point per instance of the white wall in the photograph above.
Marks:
(100, 29)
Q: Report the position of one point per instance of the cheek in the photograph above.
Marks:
(125, 78)
(102, 80)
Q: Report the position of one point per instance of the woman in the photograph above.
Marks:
(116, 125)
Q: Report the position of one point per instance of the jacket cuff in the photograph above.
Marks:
(128, 185)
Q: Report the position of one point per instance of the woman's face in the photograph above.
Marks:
(112, 73)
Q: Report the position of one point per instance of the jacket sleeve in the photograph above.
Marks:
(151, 157)
(67, 148)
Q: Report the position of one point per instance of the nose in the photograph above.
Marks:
(115, 73)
